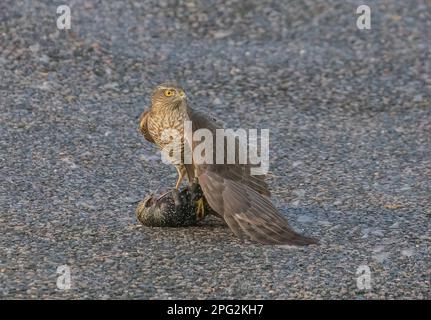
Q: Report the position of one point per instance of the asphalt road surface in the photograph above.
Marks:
(349, 113)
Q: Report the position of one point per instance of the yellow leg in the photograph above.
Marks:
(200, 208)
(200, 205)
(181, 173)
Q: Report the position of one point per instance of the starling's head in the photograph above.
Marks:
(168, 95)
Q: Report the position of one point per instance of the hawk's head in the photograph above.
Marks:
(168, 95)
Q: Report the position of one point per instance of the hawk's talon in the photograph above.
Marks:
(195, 191)
(200, 208)
(197, 197)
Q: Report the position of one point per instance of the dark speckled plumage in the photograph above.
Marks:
(160, 210)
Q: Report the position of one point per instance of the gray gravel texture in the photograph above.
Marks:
(349, 113)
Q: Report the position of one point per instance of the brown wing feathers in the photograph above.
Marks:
(143, 126)
(247, 212)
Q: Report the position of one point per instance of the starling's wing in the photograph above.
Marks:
(236, 172)
(247, 212)
(143, 128)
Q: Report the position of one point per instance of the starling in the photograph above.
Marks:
(161, 211)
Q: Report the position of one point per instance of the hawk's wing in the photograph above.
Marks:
(236, 172)
(143, 126)
(242, 199)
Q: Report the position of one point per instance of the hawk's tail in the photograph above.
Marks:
(247, 212)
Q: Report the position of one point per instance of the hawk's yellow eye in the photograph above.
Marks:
(169, 93)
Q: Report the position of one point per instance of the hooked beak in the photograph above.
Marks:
(182, 94)
(179, 98)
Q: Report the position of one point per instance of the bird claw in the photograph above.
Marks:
(197, 198)
(200, 208)
(195, 191)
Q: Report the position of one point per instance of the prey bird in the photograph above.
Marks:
(240, 198)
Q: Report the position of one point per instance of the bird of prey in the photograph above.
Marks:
(240, 198)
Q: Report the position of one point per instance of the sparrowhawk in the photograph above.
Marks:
(240, 198)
